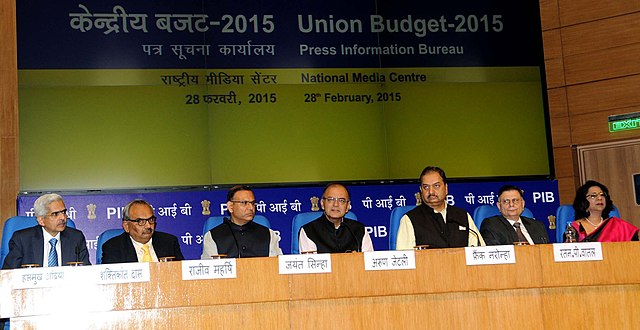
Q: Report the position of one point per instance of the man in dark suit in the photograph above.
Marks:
(49, 244)
(510, 226)
(140, 242)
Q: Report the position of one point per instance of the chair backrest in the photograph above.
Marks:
(394, 223)
(487, 211)
(565, 214)
(213, 222)
(304, 218)
(105, 236)
(14, 224)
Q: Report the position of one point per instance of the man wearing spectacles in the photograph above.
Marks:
(239, 236)
(511, 227)
(434, 223)
(140, 241)
(332, 232)
(50, 243)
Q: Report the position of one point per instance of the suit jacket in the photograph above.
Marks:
(498, 231)
(27, 247)
(120, 248)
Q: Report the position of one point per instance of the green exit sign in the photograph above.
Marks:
(624, 122)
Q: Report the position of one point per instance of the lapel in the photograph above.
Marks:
(530, 228)
(67, 248)
(129, 252)
(159, 247)
(511, 231)
(37, 242)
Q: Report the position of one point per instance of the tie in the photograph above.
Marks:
(146, 257)
(519, 233)
(53, 255)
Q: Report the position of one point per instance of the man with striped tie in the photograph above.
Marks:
(50, 243)
(511, 227)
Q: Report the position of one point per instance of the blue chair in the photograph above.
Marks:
(213, 222)
(302, 219)
(565, 215)
(105, 236)
(487, 211)
(394, 223)
(14, 224)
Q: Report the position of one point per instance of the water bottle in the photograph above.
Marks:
(570, 234)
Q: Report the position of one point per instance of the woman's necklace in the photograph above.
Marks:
(593, 224)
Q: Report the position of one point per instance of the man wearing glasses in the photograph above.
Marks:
(332, 232)
(50, 243)
(140, 242)
(238, 236)
(434, 223)
(511, 226)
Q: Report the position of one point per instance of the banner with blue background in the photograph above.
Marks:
(183, 213)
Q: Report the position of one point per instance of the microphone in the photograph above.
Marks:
(77, 253)
(476, 234)
(225, 221)
(352, 234)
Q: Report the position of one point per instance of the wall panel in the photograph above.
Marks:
(555, 72)
(596, 96)
(9, 182)
(561, 131)
(558, 102)
(549, 14)
(564, 162)
(598, 63)
(580, 11)
(602, 64)
(602, 34)
(593, 128)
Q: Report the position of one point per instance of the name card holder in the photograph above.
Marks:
(304, 263)
(209, 269)
(28, 278)
(390, 260)
(587, 251)
(132, 272)
(490, 255)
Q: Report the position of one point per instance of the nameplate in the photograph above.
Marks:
(209, 269)
(490, 255)
(390, 260)
(29, 278)
(587, 251)
(304, 263)
(40, 277)
(132, 272)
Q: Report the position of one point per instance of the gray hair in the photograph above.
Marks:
(40, 205)
(125, 211)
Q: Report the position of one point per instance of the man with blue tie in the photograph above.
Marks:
(50, 243)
